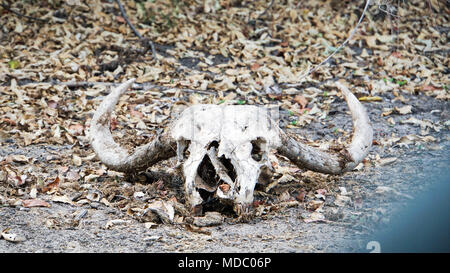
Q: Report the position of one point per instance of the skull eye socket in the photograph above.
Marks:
(258, 149)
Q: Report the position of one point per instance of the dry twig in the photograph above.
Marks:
(265, 11)
(20, 14)
(134, 86)
(332, 54)
(124, 15)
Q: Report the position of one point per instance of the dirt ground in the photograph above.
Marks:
(55, 196)
(347, 228)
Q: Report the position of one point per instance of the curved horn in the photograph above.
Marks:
(348, 158)
(116, 157)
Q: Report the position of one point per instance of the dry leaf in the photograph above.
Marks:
(374, 98)
(342, 200)
(30, 203)
(150, 225)
(51, 187)
(404, 110)
(11, 237)
(19, 158)
(301, 100)
(201, 230)
(211, 218)
(314, 205)
(314, 217)
(62, 199)
(33, 193)
(163, 209)
(77, 161)
(386, 161)
(76, 129)
(115, 222)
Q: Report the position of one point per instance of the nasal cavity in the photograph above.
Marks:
(207, 172)
(186, 144)
(229, 167)
(226, 162)
(258, 148)
(214, 144)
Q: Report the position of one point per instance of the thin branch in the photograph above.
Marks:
(134, 86)
(265, 11)
(124, 15)
(332, 54)
(20, 14)
(147, 86)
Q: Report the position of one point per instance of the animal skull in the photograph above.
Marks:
(227, 149)
(223, 150)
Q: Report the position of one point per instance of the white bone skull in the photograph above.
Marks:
(224, 145)
(223, 150)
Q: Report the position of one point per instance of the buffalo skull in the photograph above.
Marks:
(222, 150)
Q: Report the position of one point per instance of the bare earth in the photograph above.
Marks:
(346, 229)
